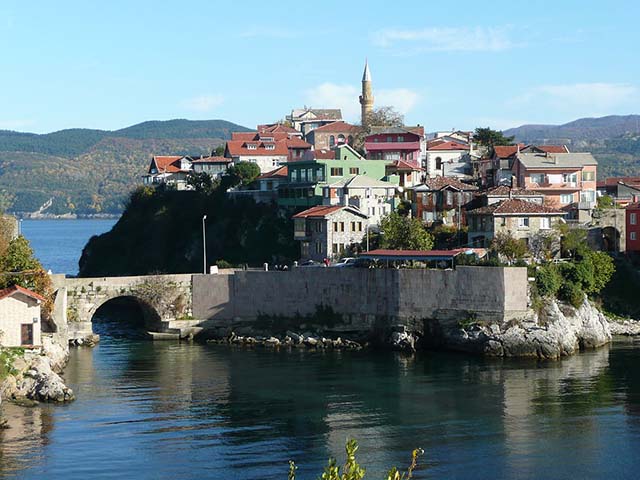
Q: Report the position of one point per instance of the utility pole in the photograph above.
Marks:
(204, 245)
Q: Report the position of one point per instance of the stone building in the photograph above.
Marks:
(332, 134)
(520, 218)
(329, 231)
(20, 317)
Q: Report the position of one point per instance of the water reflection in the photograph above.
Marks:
(161, 410)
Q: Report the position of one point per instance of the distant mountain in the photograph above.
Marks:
(91, 171)
(614, 140)
(587, 131)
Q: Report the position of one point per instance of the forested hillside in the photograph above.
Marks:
(614, 141)
(93, 171)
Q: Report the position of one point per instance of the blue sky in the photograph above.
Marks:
(110, 64)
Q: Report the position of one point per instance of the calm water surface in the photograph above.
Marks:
(185, 411)
(59, 243)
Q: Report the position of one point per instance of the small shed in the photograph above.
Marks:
(20, 317)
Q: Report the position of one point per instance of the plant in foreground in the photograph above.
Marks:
(353, 471)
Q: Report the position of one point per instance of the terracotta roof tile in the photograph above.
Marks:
(337, 127)
(448, 146)
(212, 160)
(7, 292)
(280, 172)
(319, 211)
(515, 207)
(240, 147)
(167, 163)
(504, 190)
(438, 183)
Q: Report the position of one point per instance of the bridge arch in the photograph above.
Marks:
(610, 239)
(133, 305)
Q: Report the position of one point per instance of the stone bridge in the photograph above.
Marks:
(162, 300)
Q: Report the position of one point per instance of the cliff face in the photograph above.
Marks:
(557, 331)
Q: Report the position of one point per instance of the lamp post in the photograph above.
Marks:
(204, 245)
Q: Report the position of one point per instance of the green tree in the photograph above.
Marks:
(218, 151)
(603, 270)
(200, 182)
(573, 240)
(404, 233)
(548, 280)
(19, 267)
(511, 248)
(490, 138)
(605, 201)
(243, 173)
(378, 118)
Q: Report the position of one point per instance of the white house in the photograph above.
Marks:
(20, 317)
(372, 197)
(170, 170)
(448, 159)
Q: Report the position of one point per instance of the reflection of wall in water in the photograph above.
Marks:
(22, 444)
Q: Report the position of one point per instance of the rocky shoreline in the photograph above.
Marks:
(36, 375)
(558, 330)
(290, 339)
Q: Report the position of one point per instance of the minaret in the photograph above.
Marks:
(366, 99)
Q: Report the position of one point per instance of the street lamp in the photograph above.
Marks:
(204, 245)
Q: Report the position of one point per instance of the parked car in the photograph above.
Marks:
(345, 262)
(312, 263)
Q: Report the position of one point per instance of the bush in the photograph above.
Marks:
(571, 293)
(548, 281)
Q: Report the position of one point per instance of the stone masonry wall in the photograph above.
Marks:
(366, 298)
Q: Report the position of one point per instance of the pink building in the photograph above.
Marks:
(396, 143)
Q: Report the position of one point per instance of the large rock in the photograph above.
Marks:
(626, 327)
(41, 383)
(556, 332)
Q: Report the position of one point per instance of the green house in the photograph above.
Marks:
(307, 177)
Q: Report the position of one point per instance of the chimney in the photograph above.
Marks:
(518, 148)
(510, 193)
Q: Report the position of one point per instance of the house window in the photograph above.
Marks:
(318, 248)
(334, 248)
(544, 224)
(305, 249)
(341, 139)
(337, 172)
(566, 198)
(274, 162)
(319, 226)
(341, 225)
(633, 219)
(400, 138)
(359, 226)
(537, 178)
(523, 222)
(332, 140)
(632, 236)
(335, 226)
(251, 146)
(449, 198)
(353, 226)
(438, 163)
(570, 179)
(588, 176)
(270, 147)
(354, 171)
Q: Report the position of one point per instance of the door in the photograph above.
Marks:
(27, 334)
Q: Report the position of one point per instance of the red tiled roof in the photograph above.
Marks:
(167, 163)
(258, 136)
(7, 292)
(506, 151)
(324, 154)
(448, 146)
(381, 252)
(504, 190)
(277, 128)
(337, 127)
(515, 207)
(239, 147)
(297, 142)
(438, 183)
(280, 172)
(319, 211)
(402, 165)
(212, 160)
(613, 181)
(553, 148)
